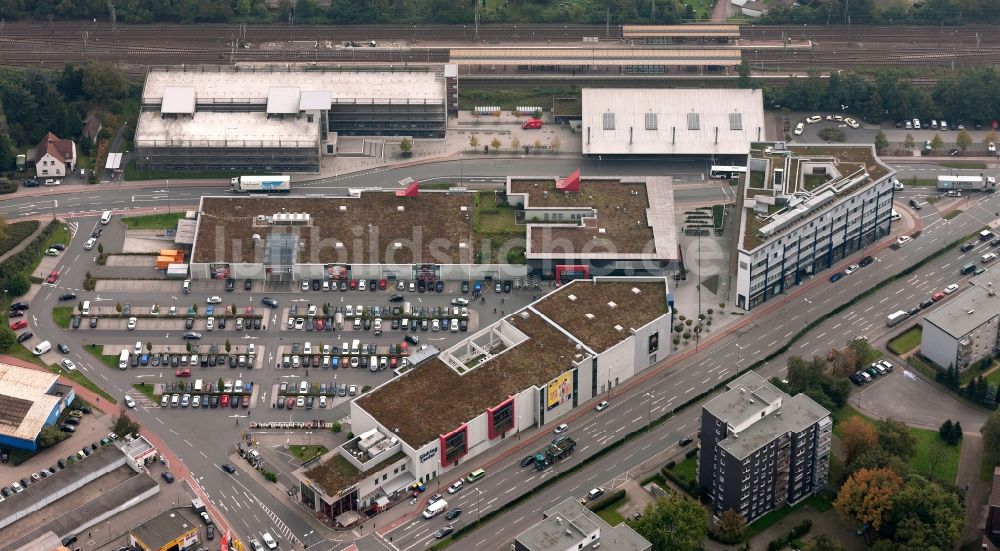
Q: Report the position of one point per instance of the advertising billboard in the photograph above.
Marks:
(560, 390)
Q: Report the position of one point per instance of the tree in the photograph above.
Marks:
(896, 438)
(118, 307)
(8, 155)
(823, 542)
(936, 142)
(515, 144)
(945, 430)
(406, 145)
(963, 140)
(123, 424)
(956, 432)
(100, 248)
(881, 142)
(926, 515)
(104, 82)
(495, 144)
(473, 141)
(50, 436)
(537, 144)
(878, 458)
(731, 526)
(149, 346)
(908, 142)
(858, 436)
(7, 338)
(866, 496)
(744, 70)
(18, 285)
(228, 346)
(673, 522)
(555, 144)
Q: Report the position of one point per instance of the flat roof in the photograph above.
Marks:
(283, 100)
(634, 218)
(253, 84)
(396, 405)
(850, 169)
(368, 229)
(335, 473)
(225, 129)
(178, 100)
(596, 57)
(568, 522)
(631, 309)
(25, 405)
(965, 311)
(164, 528)
(671, 121)
(709, 31)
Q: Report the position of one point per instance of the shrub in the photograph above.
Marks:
(670, 464)
(335, 427)
(270, 476)
(800, 530)
(776, 545)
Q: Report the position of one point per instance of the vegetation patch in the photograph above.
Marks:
(62, 315)
(133, 173)
(163, 221)
(934, 457)
(509, 98)
(952, 214)
(305, 453)
(963, 164)
(95, 350)
(609, 511)
(81, 379)
(15, 233)
(906, 342)
(148, 391)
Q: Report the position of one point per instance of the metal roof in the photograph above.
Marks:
(688, 121)
(712, 31)
(283, 100)
(315, 100)
(612, 57)
(178, 100)
(25, 405)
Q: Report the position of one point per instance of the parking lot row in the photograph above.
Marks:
(167, 324)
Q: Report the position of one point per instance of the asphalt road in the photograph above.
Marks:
(771, 327)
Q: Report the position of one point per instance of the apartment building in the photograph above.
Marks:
(966, 327)
(762, 449)
(804, 208)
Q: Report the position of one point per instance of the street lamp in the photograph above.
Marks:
(306, 536)
(149, 170)
(807, 311)
(649, 409)
(479, 509)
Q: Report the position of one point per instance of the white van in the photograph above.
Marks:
(307, 348)
(355, 345)
(436, 508)
(123, 360)
(106, 217)
(198, 386)
(238, 387)
(42, 348)
(86, 308)
(895, 215)
(303, 387)
(407, 308)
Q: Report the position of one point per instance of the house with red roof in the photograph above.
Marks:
(54, 156)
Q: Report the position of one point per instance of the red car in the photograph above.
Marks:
(19, 324)
(353, 284)
(404, 348)
(381, 284)
(937, 296)
(320, 324)
(532, 124)
(224, 401)
(53, 277)
(290, 403)
(245, 401)
(183, 372)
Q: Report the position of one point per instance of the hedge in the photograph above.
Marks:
(608, 499)
(17, 232)
(14, 265)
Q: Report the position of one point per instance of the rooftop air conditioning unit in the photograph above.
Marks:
(612, 305)
(343, 208)
(571, 297)
(635, 290)
(619, 328)
(602, 230)
(589, 316)
(400, 208)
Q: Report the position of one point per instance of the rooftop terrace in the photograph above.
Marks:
(336, 473)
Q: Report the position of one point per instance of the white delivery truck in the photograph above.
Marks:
(123, 360)
(436, 508)
(261, 184)
(896, 318)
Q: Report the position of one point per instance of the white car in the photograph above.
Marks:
(291, 323)
(561, 428)
(455, 487)
(214, 300)
(852, 123)
(256, 545)
(305, 285)
(602, 405)
(799, 128)
(814, 119)
(903, 240)
(68, 364)
(851, 269)
(129, 402)
(300, 323)
(991, 147)
(209, 324)
(897, 185)
(988, 257)
(269, 541)
(361, 285)
(460, 301)
(131, 323)
(950, 289)
(52, 182)
(90, 244)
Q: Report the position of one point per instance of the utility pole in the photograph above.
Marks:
(475, 39)
(114, 20)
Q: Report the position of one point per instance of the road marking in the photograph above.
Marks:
(637, 419)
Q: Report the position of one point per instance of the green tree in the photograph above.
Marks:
(673, 522)
(104, 82)
(744, 70)
(515, 144)
(936, 142)
(100, 248)
(8, 155)
(963, 140)
(18, 285)
(123, 424)
(926, 515)
(896, 438)
(881, 142)
(823, 542)
(878, 458)
(731, 526)
(908, 142)
(228, 346)
(50, 436)
(406, 145)
(7, 338)
(118, 307)
(335, 426)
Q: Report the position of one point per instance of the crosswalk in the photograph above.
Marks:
(74, 227)
(279, 524)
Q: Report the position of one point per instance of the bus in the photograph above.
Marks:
(727, 172)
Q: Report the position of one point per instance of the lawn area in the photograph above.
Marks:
(305, 453)
(494, 219)
(148, 391)
(510, 98)
(934, 457)
(923, 367)
(819, 503)
(153, 221)
(687, 470)
(963, 164)
(953, 214)
(62, 315)
(994, 376)
(59, 235)
(986, 469)
(906, 342)
(95, 351)
(610, 512)
(83, 381)
(20, 352)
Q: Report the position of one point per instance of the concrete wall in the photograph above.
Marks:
(938, 346)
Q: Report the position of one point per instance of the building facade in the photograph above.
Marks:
(803, 209)
(30, 400)
(966, 327)
(54, 156)
(762, 449)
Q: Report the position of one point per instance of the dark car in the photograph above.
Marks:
(93, 322)
(443, 532)
(856, 379)
(4, 456)
(439, 286)
(527, 461)
(866, 261)
(453, 514)
(914, 311)
(256, 324)
(19, 306)
(97, 232)
(24, 336)
(67, 296)
(465, 286)
(221, 322)
(463, 325)
(67, 428)
(421, 286)
(63, 349)
(506, 286)
(247, 284)
(191, 336)
(189, 323)
(396, 298)
(968, 247)
(76, 322)
(995, 243)
(412, 339)
(215, 401)
(175, 361)
(343, 285)
(230, 285)
(685, 441)
(268, 301)
(229, 468)
(373, 285)
(168, 476)
(316, 285)
(210, 532)
(836, 277)
(915, 204)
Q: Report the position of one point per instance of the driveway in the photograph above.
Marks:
(907, 396)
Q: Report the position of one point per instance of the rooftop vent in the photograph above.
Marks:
(619, 328)
(463, 208)
(397, 245)
(462, 245)
(343, 208)
(612, 305)
(400, 208)
(589, 316)
(602, 230)
(635, 290)
(339, 245)
(571, 297)
(524, 314)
